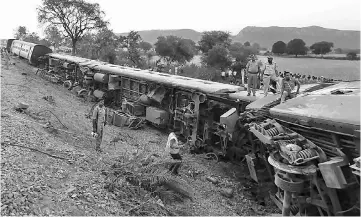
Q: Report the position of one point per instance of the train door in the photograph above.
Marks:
(30, 54)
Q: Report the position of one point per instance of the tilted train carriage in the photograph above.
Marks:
(29, 51)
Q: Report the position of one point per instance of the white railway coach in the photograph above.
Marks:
(29, 51)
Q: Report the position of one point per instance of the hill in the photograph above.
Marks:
(267, 36)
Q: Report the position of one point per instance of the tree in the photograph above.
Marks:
(32, 38)
(131, 43)
(338, 51)
(217, 57)
(175, 49)
(145, 46)
(296, 47)
(322, 47)
(213, 38)
(351, 55)
(74, 17)
(20, 32)
(241, 52)
(105, 44)
(279, 47)
(247, 44)
(256, 46)
(53, 35)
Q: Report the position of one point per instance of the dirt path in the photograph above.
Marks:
(33, 183)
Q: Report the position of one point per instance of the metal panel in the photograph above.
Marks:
(340, 113)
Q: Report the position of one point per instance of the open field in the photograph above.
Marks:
(336, 69)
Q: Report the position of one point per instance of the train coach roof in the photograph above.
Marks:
(339, 103)
(204, 86)
(29, 43)
(264, 101)
(68, 58)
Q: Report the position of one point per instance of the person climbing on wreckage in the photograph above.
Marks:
(287, 85)
(99, 121)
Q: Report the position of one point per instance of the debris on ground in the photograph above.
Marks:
(49, 99)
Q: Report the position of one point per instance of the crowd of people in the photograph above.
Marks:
(266, 76)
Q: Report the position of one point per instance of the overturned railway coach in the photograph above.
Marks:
(29, 51)
(209, 116)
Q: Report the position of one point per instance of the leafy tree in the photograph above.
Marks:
(279, 47)
(146, 46)
(131, 43)
(32, 38)
(241, 52)
(74, 17)
(322, 47)
(53, 35)
(338, 51)
(175, 49)
(105, 44)
(247, 44)
(20, 32)
(351, 55)
(150, 54)
(85, 46)
(296, 47)
(217, 57)
(256, 46)
(212, 38)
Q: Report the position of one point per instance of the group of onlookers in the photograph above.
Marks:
(267, 77)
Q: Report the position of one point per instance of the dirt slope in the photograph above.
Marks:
(70, 181)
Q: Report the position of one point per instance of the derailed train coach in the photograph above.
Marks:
(212, 117)
(328, 118)
(27, 50)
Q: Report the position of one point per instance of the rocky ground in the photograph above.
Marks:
(56, 171)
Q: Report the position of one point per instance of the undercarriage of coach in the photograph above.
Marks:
(308, 180)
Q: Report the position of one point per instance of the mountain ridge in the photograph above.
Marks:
(267, 36)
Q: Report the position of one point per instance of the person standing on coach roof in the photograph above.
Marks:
(99, 121)
(252, 69)
(269, 73)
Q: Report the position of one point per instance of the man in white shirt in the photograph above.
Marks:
(173, 148)
(269, 73)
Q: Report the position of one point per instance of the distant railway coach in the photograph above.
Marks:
(29, 51)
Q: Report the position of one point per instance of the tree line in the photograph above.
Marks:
(82, 26)
(298, 47)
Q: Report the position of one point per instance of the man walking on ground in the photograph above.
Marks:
(99, 121)
(252, 69)
(269, 73)
(287, 85)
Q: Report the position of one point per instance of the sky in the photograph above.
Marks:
(200, 15)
